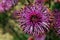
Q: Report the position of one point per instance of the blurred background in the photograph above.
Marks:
(9, 28)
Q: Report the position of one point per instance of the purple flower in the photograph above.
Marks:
(33, 19)
(5, 5)
(57, 21)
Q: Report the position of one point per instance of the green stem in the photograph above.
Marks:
(15, 33)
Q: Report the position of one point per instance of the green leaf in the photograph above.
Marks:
(52, 35)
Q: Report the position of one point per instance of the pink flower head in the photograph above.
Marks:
(5, 5)
(33, 19)
(57, 21)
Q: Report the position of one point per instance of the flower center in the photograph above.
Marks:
(34, 18)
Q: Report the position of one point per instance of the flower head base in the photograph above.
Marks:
(7, 4)
(34, 19)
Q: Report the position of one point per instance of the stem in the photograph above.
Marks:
(16, 34)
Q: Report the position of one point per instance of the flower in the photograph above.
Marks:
(57, 21)
(5, 5)
(33, 19)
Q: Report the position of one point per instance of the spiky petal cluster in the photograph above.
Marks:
(34, 19)
(57, 21)
(7, 4)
